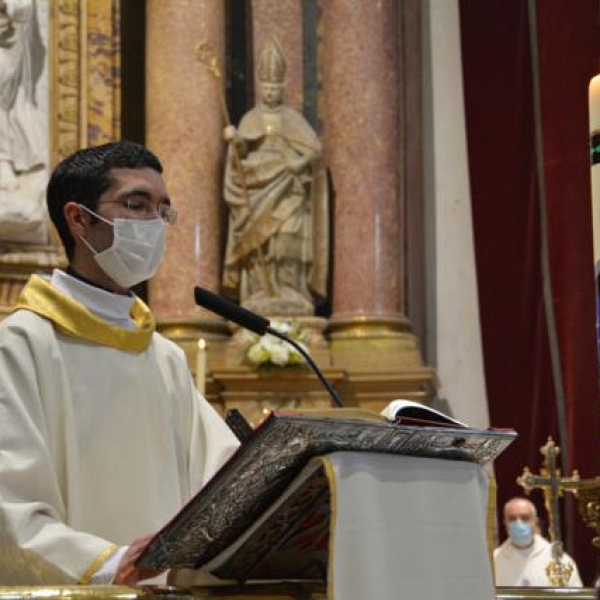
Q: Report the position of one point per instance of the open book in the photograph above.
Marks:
(249, 491)
(414, 413)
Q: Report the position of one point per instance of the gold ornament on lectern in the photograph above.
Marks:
(587, 492)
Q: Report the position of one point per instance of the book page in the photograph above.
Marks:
(414, 411)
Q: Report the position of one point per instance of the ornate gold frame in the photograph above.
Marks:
(85, 59)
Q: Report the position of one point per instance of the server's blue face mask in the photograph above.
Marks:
(520, 533)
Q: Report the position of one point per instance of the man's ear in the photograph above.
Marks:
(77, 219)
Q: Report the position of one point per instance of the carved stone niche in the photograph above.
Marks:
(78, 96)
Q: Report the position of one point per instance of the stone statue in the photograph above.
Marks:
(276, 190)
(21, 137)
(23, 129)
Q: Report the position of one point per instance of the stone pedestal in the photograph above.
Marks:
(256, 392)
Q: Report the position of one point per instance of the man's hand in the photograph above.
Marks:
(127, 572)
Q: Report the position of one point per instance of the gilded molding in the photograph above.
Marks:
(188, 329)
(85, 90)
(368, 326)
(65, 78)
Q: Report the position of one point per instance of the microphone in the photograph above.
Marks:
(231, 311)
(259, 325)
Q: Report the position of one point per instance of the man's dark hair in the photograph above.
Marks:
(85, 175)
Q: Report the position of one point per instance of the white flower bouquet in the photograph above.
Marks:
(268, 350)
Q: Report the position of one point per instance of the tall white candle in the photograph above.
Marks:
(594, 108)
(201, 366)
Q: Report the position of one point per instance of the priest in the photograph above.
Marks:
(103, 436)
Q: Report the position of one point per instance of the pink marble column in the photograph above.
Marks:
(362, 149)
(184, 128)
(283, 19)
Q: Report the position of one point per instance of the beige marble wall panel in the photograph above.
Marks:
(282, 18)
(103, 85)
(184, 128)
(360, 79)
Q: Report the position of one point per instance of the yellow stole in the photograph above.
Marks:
(75, 320)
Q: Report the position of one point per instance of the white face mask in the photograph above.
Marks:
(136, 252)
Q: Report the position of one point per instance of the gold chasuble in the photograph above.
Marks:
(103, 436)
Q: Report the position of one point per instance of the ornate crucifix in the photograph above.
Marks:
(552, 485)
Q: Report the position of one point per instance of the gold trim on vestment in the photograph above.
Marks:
(75, 320)
(97, 563)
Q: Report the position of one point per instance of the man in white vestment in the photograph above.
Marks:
(522, 559)
(103, 436)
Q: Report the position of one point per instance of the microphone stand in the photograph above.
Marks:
(332, 391)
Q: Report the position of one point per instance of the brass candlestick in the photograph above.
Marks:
(587, 492)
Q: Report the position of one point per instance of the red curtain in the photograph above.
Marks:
(508, 230)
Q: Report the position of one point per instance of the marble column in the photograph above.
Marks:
(361, 81)
(184, 128)
(283, 19)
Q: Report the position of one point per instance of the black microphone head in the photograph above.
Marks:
(231, 311)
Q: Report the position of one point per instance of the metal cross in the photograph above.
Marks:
(552, 485)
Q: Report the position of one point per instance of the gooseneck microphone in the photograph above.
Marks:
(259, 325)
(231, 311)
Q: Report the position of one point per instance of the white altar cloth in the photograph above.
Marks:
(406, 527)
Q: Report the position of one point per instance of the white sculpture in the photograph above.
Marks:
(23, 129)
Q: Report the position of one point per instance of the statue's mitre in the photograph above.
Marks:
(272, 65)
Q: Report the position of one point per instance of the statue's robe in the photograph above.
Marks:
(284, 213)
(22, 132)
